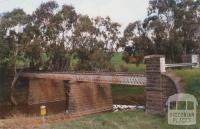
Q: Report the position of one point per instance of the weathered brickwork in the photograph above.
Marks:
(87, 98)
(79, 98)
(169, 88)
(154, 88)
(45, 90)
(160, 85)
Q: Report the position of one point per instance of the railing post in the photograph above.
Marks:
(155, 66)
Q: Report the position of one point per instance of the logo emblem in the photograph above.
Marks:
(182, 109)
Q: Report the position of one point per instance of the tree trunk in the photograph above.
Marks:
(16, 76)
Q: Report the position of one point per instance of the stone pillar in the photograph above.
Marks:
(155, 66)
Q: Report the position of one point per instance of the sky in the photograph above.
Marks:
(121, 11)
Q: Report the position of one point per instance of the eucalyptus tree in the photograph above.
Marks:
(107, 37)
(11, 26)
(180, 22)
(171, 28)
(60, 30)
(13, 42)
(55, 27)
(95, 41)
(136, 43)
(40, 35)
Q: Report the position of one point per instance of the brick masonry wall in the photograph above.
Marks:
(160, 85)
(45, 90)
(88, 98)
(169, 88)
(154, 88)
(83, 99)
(50, 93)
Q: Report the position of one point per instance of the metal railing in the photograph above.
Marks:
(180, 65)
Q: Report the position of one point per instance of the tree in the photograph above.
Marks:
(179, 19)
(94, 40)
(50, 37)
(136, 43)
(11, 37)
(170, 28)
(60, 30)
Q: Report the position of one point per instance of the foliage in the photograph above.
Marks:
(59, 34)
(50, 37)
(171, 28)
(98, 37)
(121, 66)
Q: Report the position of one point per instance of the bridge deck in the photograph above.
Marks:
(135, 79)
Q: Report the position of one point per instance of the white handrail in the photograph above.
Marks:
(180, 65)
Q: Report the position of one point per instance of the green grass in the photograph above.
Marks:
(121, 120)
(126, 90)
(192, 80)
(120, 65)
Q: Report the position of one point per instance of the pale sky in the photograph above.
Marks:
(122, 11)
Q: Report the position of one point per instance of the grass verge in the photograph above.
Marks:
(192, 80)
(121, 120)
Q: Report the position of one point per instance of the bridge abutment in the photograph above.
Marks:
(80, 98)
(46, 92)
(88, 98)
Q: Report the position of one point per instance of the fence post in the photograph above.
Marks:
(155, 66)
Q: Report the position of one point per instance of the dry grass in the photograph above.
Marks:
(20, 121)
